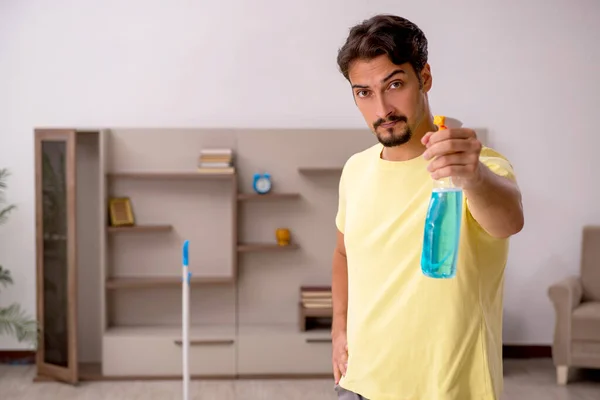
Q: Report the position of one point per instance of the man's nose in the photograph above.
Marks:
(384, 109)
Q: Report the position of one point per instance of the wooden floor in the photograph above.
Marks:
(524, 380)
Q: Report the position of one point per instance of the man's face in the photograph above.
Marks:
(390, 97)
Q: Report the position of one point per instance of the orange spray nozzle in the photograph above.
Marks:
(440, 121)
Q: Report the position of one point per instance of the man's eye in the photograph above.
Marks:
(396, 85)
(362, 93)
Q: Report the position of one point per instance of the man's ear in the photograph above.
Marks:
(426, 78)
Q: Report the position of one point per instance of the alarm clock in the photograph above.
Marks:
(262, 183)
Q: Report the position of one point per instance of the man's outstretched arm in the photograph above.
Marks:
(495, 203)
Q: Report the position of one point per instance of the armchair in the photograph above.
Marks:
(576, 301)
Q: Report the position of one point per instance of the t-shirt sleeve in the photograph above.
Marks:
(340, 218)
(497, 163)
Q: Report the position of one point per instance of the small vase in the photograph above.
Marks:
(283, 236)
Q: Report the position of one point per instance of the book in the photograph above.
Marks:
(216, 161)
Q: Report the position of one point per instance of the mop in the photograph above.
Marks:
(186, 319)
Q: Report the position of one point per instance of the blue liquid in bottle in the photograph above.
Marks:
(442, 231)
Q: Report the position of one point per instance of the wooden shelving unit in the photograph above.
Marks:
(140, 228)
(130, 276)
(187, 203)
(158, 282)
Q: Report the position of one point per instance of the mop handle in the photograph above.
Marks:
(186, 319)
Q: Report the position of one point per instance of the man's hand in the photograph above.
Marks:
(339, 356)
(454, 152)
(494, 201)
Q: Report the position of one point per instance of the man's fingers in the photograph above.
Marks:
(340, 364)
(342, 367)
(426, 137)
(458, 159)
(447, 147)
(343, 361)
(445, 134)
(453, 170)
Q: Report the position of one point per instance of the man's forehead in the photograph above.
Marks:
(375, 71)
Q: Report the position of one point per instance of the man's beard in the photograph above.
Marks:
(395, 137)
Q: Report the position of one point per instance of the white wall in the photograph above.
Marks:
(527, 72)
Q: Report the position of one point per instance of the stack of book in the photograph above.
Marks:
(216, 161)
(316, 296)
(316, 308)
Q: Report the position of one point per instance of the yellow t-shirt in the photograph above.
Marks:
(411, 337)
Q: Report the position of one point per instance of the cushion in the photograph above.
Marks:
(586, 322)
(590, 263)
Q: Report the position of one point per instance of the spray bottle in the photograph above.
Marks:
(442, 226)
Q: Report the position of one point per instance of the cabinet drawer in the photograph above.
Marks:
(287, 351)
(160, 354)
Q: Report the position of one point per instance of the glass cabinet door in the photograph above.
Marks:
(56, 254)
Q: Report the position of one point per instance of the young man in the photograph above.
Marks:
(397, 334)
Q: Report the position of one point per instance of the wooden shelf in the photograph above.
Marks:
(268, 196)
(197, 332)
(157, 282)
(140, 228)
(320, 170)
(314, 317)
(317, 312)
(260, 247)
(171, 175)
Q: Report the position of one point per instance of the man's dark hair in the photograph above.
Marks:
(401, 40)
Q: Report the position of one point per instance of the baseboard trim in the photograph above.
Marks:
(17, 357)
(28, 357)
(526, 351)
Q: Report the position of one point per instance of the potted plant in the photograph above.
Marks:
(13, 319)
